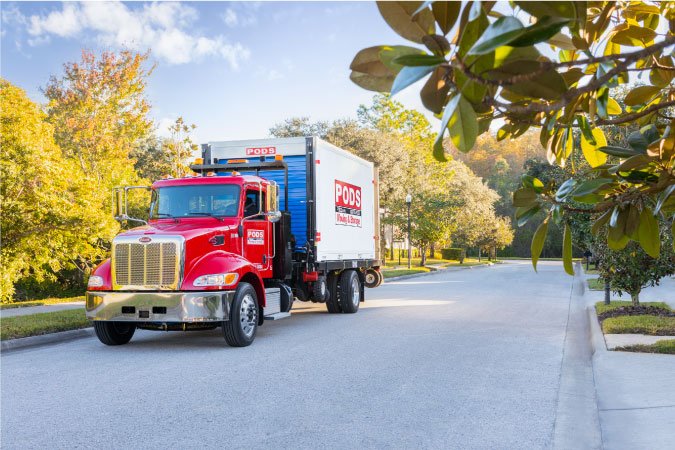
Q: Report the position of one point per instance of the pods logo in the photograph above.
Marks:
(347, 204)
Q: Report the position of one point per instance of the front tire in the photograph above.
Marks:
(114, 333)
(241, 329)
(333, 300)
(350, 291)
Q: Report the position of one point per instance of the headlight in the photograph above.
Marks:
(95, 281)
(217, 279)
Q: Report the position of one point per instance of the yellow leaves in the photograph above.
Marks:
(594, 157)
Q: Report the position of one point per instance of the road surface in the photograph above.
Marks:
(462, 359)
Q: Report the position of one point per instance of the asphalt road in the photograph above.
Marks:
(463, 359)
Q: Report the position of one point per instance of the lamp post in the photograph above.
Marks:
(408, 200)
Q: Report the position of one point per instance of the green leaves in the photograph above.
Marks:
(554, 9)
(501, 32)
(648, 234)
(418, 60)
(524, 197)
(373, 69)
(538, 242)
(549, 85)
(460, 120)
(409, 75)
(446, 14)
(399, 16)
(567, 250)
(533, 183)
(435, 91)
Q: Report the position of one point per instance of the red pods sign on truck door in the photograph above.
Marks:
(347, 204)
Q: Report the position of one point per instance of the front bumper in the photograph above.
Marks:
(206, 306)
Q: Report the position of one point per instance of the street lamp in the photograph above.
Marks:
(408, 200)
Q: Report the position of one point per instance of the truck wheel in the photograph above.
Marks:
(380, 277)
(320, 291)
(240, 330)
(114, 333)
(371, 278)
(333, 301)
(350, 291)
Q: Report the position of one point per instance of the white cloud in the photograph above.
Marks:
(230, 17)
(274, 75)
(163, 27)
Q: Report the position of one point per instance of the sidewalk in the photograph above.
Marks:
(40, 309)
(635, 393)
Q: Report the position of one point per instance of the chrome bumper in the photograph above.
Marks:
(208, 306)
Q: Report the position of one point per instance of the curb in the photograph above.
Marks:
(45, 339)
(432, 272)
(598, 344)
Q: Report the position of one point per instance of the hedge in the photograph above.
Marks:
(455, 254)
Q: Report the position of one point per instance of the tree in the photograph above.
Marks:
(493, 70)
(39, 193)
(99, 113)
(299, 126)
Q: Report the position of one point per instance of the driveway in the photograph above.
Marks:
(462, 359)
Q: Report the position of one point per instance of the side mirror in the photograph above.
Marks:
(274, 216)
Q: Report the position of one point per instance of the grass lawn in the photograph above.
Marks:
(591, 271)
(652, 325)
(47, 301)
(43, 323)
(664, 346)
(468, 262)
(391, 273)
(596, 285)
(540, 259)
(600, 307)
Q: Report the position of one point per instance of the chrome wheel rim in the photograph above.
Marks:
(370, 278)
(248, 315)
(356, 292)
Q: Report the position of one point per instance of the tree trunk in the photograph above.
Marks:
(478, 254)
(423, 255)
(432, 252)
(635, 297)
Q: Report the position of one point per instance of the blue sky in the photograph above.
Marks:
(232, 68)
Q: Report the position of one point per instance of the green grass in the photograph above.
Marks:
(47, 301)
(540, 259)
(415, 262)
(469, 263)
(652, 325)
(600, 307)
(43, 323)
(391, 273)
(591, 271)
(664, 346)
(596, 285)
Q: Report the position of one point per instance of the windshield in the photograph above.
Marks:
(220, 200)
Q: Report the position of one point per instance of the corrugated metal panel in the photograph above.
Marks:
(297, 194)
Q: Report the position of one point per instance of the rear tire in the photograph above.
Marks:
(380, 278)
(333, 300)
(114, 333)
(320, 290)
(350, 291)
(241, 329)
(371, 278)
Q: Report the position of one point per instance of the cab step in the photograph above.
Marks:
(277, 316)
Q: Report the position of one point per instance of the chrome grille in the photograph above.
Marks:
(151, 265)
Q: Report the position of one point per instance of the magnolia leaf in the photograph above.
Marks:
(463, 126)
(372, 83)
(634, 36)
(590, 186)
(409, 75)
(399, 16)
(585, 129)
(638, 142)
(501, 32)
(594, 157)
(562, 41)
(389, 52)
(505, 54)
(418, 60)
(475, 10)
(446, 14)
(538, 242)
(632, 222)
(634, 162)
(438, 44)
(613, 107)
(618, 151)
(648, 234)
(545, 28)
(663, 197)
(600, 221)
(565, 189)
(524, 214)
(368, 61)
(571, 76)
(549, 85)
(524, 197)
(435, 91)
(533, 183)
(641, 94)
(567, 250)
(617, 244)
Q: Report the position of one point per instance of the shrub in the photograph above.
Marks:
(455, 254)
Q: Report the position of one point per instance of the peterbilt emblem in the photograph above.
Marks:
(144, 240)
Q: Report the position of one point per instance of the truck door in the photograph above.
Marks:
(258, 236)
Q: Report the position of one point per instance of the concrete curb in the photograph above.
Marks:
(446, 269)
(598, 344)
(45, 339)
